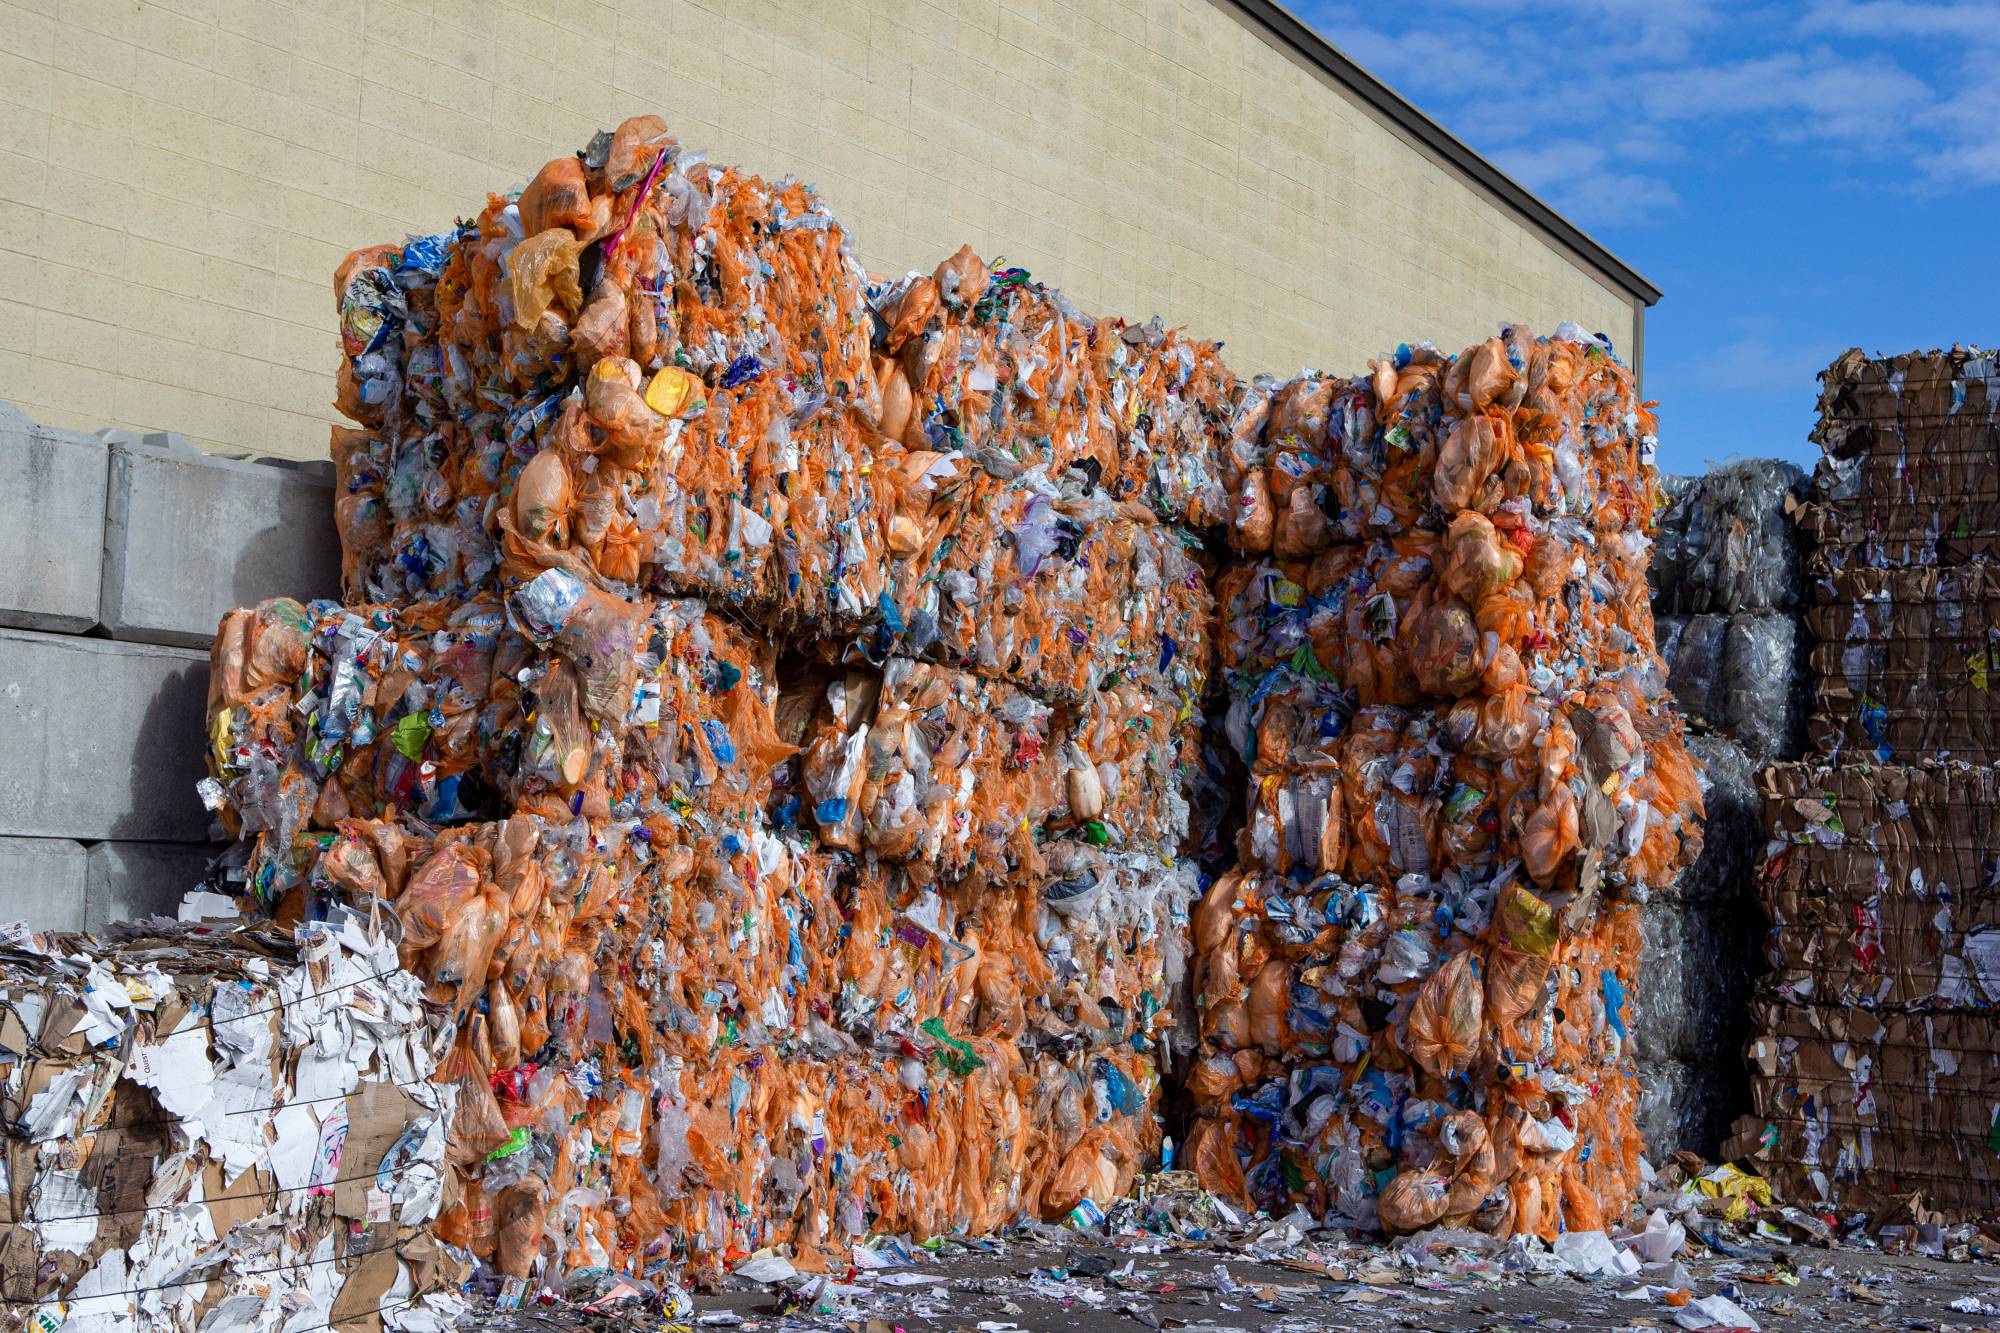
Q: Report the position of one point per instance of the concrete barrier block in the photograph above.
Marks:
(101, 739)
(130, 881)
(52, 487)
(42, 882)
(189, 537)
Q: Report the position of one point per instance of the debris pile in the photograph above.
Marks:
(1466, 773)
(763, 695)
(1874, 1029)
(221, 1126)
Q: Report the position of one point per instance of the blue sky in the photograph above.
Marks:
(1797, 178)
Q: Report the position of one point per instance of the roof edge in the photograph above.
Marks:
(1294, 33)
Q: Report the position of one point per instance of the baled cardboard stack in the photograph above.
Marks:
(224, 1127)
(1873, 1032)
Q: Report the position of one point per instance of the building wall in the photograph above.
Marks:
(178, 179)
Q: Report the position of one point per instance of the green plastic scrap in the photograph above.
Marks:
(410, 735)
(957, 1055)
(516, 1142)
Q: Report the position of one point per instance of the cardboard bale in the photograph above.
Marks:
(1879, 885)
(220, 1124)
(1857, 1110)
(1905, 477)
(1905, 662)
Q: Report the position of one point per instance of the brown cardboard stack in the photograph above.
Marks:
(1874, 1049)
(223, 1127)
(1905, 511)
(1873, 1063)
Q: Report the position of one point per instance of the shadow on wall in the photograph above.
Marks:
(167, 761)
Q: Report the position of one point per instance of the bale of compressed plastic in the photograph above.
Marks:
(1414, 989)
(1725, 544)
(1698, 967)
(1732, 844)
(1739, 676)
(1689, 1107)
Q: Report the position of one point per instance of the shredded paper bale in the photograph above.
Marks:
(225, 1127)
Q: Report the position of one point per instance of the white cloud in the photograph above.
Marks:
(1639, 84)
(1759, 358)
(1578, 179)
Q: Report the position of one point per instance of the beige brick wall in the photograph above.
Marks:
(178, 179)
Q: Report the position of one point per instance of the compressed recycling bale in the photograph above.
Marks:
(564, 701)
(1873, 1054)
(202, 1119)
(1738, 676)
(1904, 662)
(1518, 422)
(841, 1011)
(1414, 993)
(1732, 842)
(1905, 477)
(1051, 585)
(1008, 370)
(1317, 1078)
(923, 764)
(1853, 1110)
(1689, 1107)
(1879, 885)
(1696, 977)
(1726, 543)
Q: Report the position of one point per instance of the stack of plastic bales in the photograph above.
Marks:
(1726, 593)
(1874, 1051)
(220, 1127)
(1726, 588)
(1414, 989)
(761, 697)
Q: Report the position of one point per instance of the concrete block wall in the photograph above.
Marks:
(118, 555)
